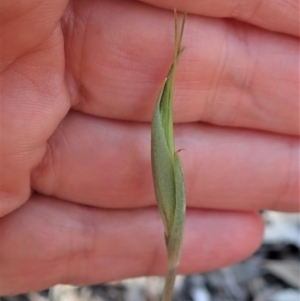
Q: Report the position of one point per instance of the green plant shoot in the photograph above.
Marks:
(167, 169)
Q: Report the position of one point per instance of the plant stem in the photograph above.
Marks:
(169, 284)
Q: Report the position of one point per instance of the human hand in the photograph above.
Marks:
(78, 87)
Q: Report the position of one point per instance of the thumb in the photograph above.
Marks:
(25, 24)
(34, 97)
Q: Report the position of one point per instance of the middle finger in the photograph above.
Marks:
(106, 163)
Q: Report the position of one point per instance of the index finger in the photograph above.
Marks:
(275, 15)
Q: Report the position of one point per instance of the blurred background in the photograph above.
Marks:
(271, 274)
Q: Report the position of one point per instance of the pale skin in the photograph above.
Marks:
(79, 82)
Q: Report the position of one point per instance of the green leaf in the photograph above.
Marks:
(162, 171)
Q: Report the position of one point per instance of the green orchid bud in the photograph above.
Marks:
(167, 169)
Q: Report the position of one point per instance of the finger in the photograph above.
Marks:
(230, 73)
(278, 15)
(107, 164)
(48, 241)
(34, 97)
